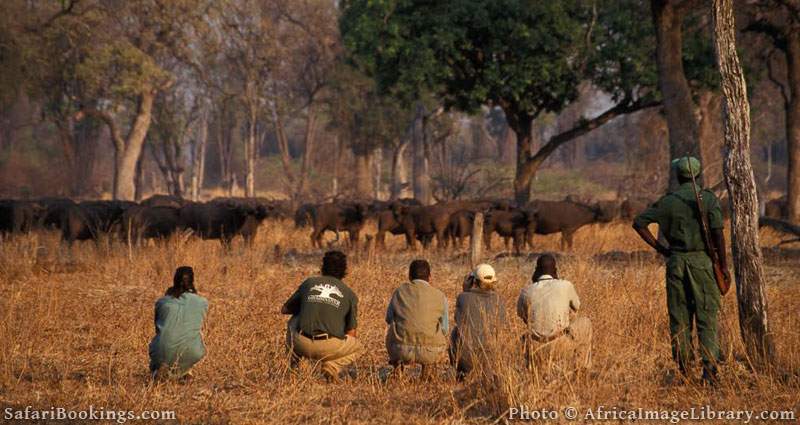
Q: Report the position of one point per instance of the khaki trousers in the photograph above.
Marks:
(334, 354)
(407, 354)
(573, 349)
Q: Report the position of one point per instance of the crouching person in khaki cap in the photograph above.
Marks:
(479, 315)
(549, 306)
(417, 319)
(323, 323)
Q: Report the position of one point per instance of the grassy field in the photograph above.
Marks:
(75, 328)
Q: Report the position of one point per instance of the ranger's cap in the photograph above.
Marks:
(687, 166)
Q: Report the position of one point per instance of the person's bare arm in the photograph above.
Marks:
(718, 238)
(649, 239)
(352, 333)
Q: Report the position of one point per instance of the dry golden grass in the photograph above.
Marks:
(75, 328)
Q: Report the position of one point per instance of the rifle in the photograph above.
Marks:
(723, 284)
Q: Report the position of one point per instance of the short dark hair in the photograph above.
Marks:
(419, 269)
(545, 264)
(334, 264)
(182, 281)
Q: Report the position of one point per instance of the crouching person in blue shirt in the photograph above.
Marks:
(179, 314)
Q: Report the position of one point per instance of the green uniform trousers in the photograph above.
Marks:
(692, 297)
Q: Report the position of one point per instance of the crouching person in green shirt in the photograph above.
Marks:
(323, 323)
(179, 315)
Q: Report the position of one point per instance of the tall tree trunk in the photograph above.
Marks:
(363, 174)
(337, 159)
(283, 148)
(399, 171)
(420, 165)
(250, 152)
(678, 104)
(223, 145)
(521, 126)
(793, 124)
(128, 150)
(377, 161)
(138, 180)
(308, 152)
(126, 171)
(747, 258)
(199, 156)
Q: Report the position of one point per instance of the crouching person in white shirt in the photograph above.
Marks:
(549, 306)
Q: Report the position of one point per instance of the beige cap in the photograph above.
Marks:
(485, 273)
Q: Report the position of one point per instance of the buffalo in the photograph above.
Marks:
(460, 227)
(567, 217)
(91, 219)
(215, 220)
(143, 222)
(518, 224)
(163, 201)
(258, 209)
(336, 217)
(53, 211)
(17, 216)
(303, 216)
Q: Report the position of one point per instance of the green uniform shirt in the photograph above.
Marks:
(324, 305)
(678, 219)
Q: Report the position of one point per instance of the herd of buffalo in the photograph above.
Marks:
(449, 223)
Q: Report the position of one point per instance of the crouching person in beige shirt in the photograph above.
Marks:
(549, 306)
(323, 323)
(417, 321)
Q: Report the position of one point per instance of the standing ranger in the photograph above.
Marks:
(694, 233)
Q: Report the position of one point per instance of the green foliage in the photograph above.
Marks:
(522, 55)
(526, 56)
(120, 70)
(622, 62)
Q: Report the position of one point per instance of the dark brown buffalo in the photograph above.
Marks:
(425, 222)
(303, 216)
(164, 201)
(91, 219)
(142, 222)
(518, 224)
(53, 211)
(460, 227)
(338, 216)
(567, 217)
(258, 210)
(17, 216)
(215, 220)
(385, 218)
